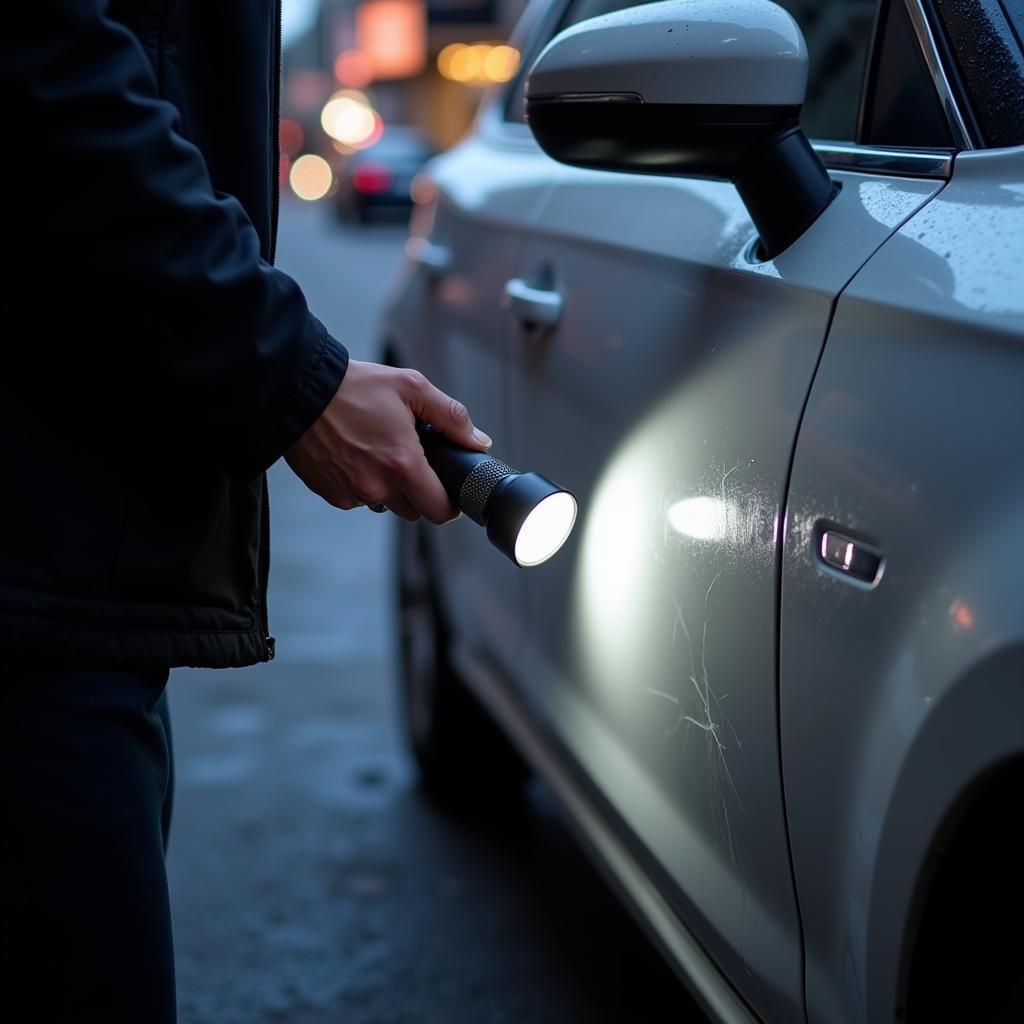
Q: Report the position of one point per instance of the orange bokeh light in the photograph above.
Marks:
(393, 36)
(962, 615)
(478, 64)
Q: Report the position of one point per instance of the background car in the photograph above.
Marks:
(378, 179)
(775, 675)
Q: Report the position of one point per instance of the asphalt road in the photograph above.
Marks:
(310, 881)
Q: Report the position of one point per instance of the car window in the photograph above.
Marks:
(837, 33)
(1014, 10)
(901, 107)
(985, 37)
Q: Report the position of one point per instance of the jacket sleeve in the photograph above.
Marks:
(219, 336)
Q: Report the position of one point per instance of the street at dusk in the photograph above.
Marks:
(515, 512)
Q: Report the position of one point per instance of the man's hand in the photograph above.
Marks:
(364, 449)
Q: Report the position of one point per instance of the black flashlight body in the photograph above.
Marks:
(456, 466)
(487, 490)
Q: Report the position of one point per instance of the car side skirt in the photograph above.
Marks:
(605, 845)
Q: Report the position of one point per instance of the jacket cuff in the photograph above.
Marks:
(318, 383)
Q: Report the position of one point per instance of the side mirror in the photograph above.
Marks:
(698, 88)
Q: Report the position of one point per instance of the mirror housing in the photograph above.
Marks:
(698, 88)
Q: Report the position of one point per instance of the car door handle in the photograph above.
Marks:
(539, 306)
(435, 259)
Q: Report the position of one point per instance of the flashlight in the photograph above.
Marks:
(527, 517)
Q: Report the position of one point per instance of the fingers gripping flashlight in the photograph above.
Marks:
(527, 517)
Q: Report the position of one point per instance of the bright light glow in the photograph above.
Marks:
(311, 177)
(700, 518)
(546, 529)
(615, 546)
(350, 121)
(618, 604)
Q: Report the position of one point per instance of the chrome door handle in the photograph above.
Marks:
(435, 259)
(851, 557)
(540, 306)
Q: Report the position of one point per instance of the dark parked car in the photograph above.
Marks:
(379, 178)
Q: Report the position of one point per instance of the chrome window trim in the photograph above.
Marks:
(840, 156)
(910, 163)
(943, 87)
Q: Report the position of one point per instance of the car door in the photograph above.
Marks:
(902, 627)
(474, 204)
(668, 397)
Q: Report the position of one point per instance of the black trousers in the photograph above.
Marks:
(85, 794)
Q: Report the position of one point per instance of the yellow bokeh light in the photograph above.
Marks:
(501, 63)
(465, 65)
(311, 177)
(445, 57)
(479, 64)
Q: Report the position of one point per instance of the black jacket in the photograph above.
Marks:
(154, 362)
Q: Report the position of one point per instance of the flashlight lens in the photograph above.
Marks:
(545, 529)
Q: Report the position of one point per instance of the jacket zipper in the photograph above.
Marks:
(269, 642)
(276, 141)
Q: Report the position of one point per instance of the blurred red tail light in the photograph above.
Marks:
(371, 179)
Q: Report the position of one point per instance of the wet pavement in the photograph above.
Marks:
(311, 882)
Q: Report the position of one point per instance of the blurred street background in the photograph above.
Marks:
(371, 88)
(310, 881)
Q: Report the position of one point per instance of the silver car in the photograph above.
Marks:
(776, 676)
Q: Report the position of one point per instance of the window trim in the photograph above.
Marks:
(963, 135)
(909, 162)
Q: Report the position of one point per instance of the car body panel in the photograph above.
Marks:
(897, 698)
(448, 322)
(668, 400)
(775, 797)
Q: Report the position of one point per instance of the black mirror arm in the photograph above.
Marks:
(785, 187)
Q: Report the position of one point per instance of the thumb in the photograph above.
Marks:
(448, 415)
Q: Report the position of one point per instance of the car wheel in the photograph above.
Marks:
(463, 757)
